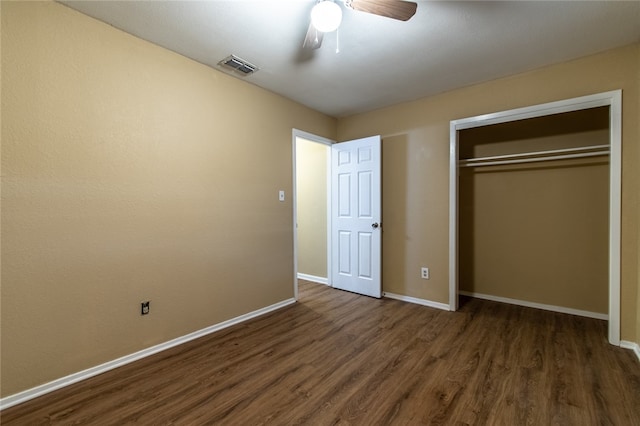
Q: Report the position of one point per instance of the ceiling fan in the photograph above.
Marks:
(326, 15)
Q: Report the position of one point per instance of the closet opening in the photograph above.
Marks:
(536, 208)
(533, 228)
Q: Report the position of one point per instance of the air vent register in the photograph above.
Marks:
(239, 66)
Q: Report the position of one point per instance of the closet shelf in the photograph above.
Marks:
(530, 157)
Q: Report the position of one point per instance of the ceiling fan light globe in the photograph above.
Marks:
(326, 16)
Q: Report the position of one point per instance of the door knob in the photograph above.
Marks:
(375, 225)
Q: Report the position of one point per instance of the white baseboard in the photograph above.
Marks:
(37, 391)
(631, 345)
(552, 308)
(313, 278)
(417, 301)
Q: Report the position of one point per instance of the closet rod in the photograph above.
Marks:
(535, 159)
(529, 154)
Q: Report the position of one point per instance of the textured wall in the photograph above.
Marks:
(416, 166)
(131, 173)
(311, 188)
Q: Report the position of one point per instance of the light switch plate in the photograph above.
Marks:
(281, 195)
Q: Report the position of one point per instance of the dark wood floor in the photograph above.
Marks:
(336, 358)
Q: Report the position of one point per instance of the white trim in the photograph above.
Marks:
(613, 99)
(541, 110)
(329, 218)
(313, 278)
(631, 345)
(553, 308)
(294, 209)
(62, 382)
(453, 217)
(295, 134)
(615, 213)
(423, 302)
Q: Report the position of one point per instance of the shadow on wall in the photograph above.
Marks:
(395, 180)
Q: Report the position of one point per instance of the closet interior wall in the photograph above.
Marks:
(537, 231)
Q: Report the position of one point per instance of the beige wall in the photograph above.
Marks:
(537, 232)
(311, 188)
(131, 173)
(416, 166)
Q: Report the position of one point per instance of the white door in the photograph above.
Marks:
(356, 216)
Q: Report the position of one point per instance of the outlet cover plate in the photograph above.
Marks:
(424, 273)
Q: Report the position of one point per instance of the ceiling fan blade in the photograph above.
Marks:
(313, 39)
(394, 9)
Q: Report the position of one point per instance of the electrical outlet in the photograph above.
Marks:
(144, 308)
(424, 273)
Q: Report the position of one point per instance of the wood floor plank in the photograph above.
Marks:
(337, 358)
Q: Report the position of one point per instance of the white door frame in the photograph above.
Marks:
(612, 99)
(294, 199)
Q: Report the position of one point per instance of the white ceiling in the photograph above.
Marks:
(446, 45)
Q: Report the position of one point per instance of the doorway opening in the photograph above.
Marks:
(338, 213)
(311, 208)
